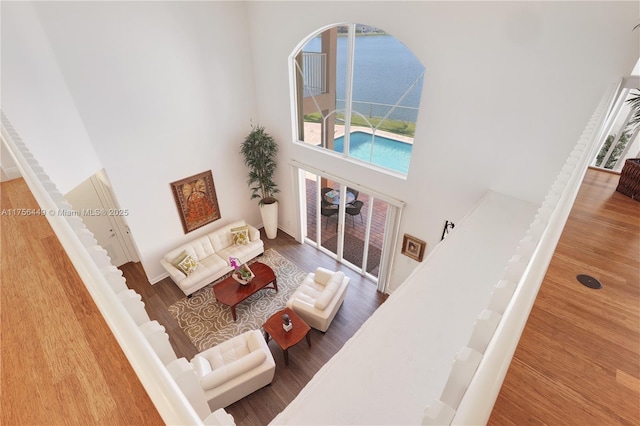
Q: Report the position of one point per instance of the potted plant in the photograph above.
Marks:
(259, 151)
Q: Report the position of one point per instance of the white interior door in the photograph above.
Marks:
(93, 201)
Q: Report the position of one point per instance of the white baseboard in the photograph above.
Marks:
(158, 278)
(287, 231)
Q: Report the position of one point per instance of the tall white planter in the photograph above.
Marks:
(269, 214)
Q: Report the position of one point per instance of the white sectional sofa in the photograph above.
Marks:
(211, 254)
(319, 297)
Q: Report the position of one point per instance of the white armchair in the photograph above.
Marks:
(319, 297)
(233, 369)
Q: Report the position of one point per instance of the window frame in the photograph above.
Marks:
(298, 94)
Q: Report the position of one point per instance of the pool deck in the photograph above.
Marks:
(313, 133)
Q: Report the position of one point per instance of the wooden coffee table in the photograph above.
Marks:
(286, 339)
(230, 292)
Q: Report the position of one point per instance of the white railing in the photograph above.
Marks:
(101, 279)
(480, 367)
(380, 110)
(480, 396)
(314, 70)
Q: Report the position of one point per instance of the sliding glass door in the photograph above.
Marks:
(346, 222)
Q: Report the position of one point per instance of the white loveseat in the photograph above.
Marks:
(211, 253)
(233, 369)
(319, 297)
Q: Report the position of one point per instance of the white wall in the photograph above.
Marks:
(508, 89)
(165, 91)
(158, 91)
(36, 99)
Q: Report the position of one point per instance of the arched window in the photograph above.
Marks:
(358, 93)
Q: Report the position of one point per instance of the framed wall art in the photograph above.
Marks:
(196, 200)
(413, 247)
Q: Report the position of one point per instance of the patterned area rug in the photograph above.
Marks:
(208, 323)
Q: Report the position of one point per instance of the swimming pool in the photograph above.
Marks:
(388, 153)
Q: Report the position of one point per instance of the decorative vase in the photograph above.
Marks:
(243, 280)
(269, 213)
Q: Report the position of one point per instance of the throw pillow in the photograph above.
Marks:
(188, 265)
(175, 262)
(240, 235)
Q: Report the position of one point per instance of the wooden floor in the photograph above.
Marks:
(60, 362)
(262, 406)
(578, 361)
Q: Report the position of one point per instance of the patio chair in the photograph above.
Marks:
(355, 193)
(328, 211)
(355, 209)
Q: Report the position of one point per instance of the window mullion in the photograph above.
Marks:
(349, 87)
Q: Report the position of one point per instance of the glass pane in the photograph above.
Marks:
(337, 83)
(386, 91)
(310, 189)
(623, 136)
(335, 141)
(342, 44)
(376, 237)
(387, 84)
(313, 67)
(355, 227)
(355, 231)
(329, 214)
(316, 72)
(309, 74)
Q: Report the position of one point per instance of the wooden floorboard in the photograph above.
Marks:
(578, 361)
(262, 406)
(60, 362)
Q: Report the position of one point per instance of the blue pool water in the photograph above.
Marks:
(388, 153)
